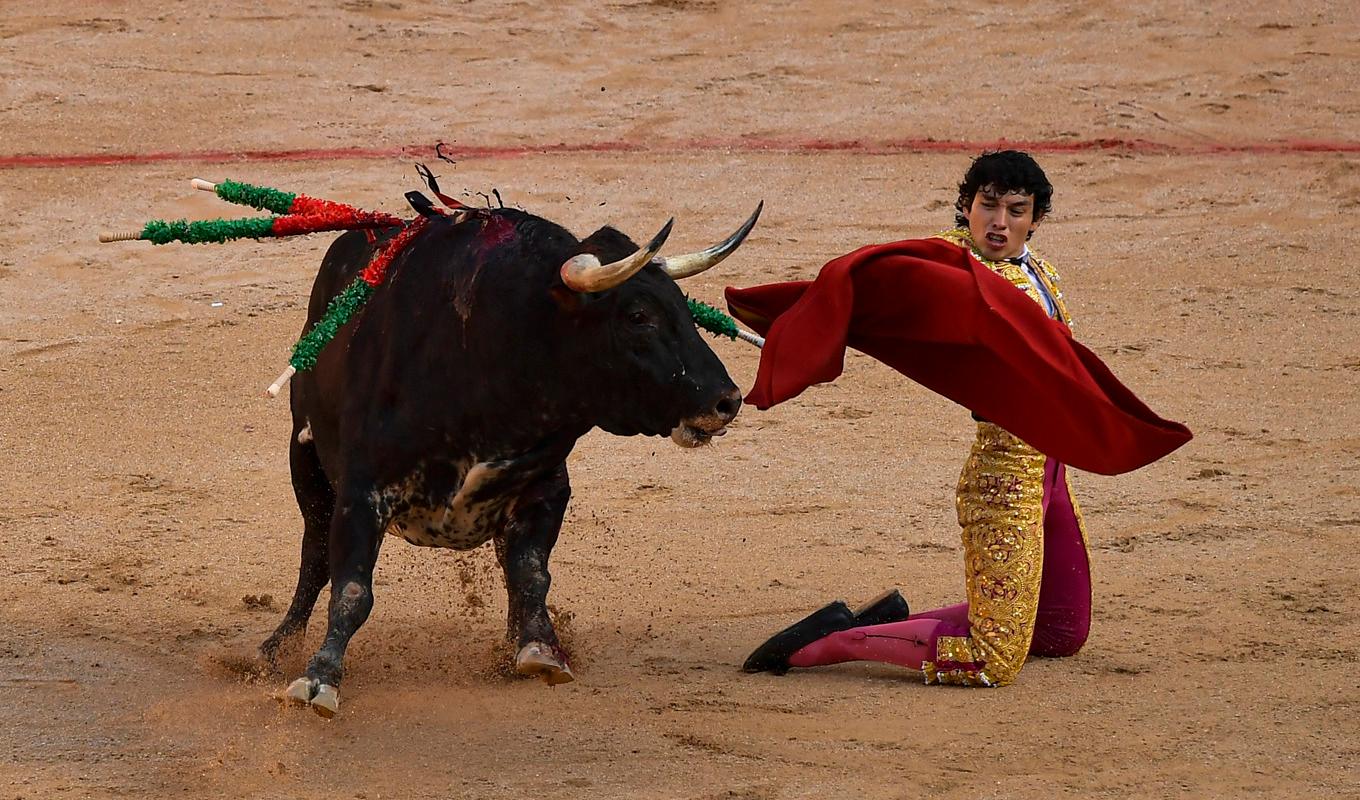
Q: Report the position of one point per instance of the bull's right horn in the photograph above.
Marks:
(693, 263)
(585, 273)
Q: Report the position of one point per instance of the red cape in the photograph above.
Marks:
(928, 309)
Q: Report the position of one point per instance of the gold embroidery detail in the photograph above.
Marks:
(954, 648)
(957, 677)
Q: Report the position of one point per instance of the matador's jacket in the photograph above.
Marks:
(937, 312)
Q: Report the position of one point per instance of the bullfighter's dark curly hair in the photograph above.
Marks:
(1004, 171)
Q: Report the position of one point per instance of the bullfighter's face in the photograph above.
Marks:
(999, 224)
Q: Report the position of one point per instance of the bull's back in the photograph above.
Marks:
(455, 298)
(353, 368)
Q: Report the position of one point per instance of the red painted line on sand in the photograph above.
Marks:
(743, 145)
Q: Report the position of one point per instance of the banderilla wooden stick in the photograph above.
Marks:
(277, 385)
(747, 336)
(120, 237)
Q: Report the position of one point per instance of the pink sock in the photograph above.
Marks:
(906, 644)
(956, 615)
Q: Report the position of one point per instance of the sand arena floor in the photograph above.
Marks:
(149, 529)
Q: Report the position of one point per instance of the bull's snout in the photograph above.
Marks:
(699, 429)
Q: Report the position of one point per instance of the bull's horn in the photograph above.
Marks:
(585, 273)
(693, 263)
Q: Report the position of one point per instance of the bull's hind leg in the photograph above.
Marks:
(316, 500)
(529, 540)
(355, 534)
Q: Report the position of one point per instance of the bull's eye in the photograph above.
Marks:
(640, 318)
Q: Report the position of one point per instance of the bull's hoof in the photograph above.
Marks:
(326, 701)
(300, 691)
(540, 660)
(323, 698)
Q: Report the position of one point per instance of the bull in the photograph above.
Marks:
(443, 414)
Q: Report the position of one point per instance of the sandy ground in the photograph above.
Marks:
(150, 535)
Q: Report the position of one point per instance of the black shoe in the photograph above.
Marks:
(773, 656)
(890, 606)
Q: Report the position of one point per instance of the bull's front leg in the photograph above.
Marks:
(529, 539)
(355, 536)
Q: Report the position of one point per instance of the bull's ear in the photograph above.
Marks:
(567, 299)
(608, 244)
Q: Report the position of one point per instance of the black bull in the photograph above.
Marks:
(444, 413)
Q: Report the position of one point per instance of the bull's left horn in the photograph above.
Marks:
(693, 263)
(585, 273)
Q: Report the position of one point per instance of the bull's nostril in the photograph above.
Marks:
(728, 407)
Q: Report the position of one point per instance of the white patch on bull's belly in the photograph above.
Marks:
(458, 523)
